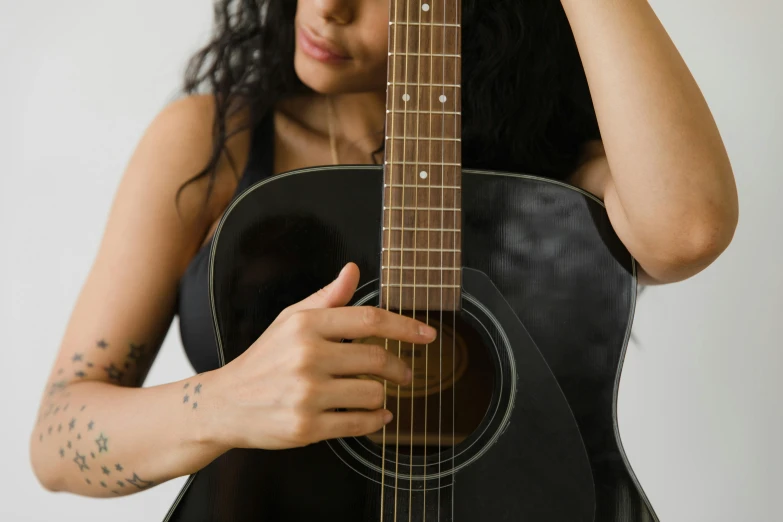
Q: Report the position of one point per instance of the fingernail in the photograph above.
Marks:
(387, 417)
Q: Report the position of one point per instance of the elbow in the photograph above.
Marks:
(46, 476)
(694, 249)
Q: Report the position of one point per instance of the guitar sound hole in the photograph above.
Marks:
(449, 395)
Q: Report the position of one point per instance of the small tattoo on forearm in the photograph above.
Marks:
(102, 442)
(62, 452)
(120, 483)
(118, 467)
(138, 482)
(105, 470)
(77, 357)
(90, 425)
(102, 344)
(196, 391)
(88, 481)
(80, 460)
(113, 372)
(72, 424)
(69, 444)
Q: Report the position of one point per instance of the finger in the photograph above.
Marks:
(356, 322)
(337, 293)
(353, 393)
(333, 425)
(350, 359)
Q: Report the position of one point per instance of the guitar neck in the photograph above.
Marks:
(422, 219)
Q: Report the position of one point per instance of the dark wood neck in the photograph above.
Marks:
(422, 219)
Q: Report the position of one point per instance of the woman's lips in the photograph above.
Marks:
(318, 48)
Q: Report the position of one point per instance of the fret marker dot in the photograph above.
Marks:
(442, 98)
(423, 175)
(425, 7)
(406, 97)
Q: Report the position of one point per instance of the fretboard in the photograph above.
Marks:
(422, 220)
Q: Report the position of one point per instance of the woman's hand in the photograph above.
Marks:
(283, 391)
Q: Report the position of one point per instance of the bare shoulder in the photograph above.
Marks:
(178, 145)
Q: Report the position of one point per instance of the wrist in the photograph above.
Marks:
(209, 409)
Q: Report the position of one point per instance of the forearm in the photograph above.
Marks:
(671, 179)
(98, 439)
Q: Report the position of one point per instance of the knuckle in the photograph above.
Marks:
(301, 429)
(376, 394)
(299, 321)
(304, 356)
(379, 357)
(304, 394)
(372, 316)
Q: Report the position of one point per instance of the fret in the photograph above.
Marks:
(418, 229)
(414, 249)
(432, 24)
(409, 111)
(419, 285)
(421, 186)
(446, 299)
(419, 197)
(417, 209)
(420, 163)
(414, 138)
(448, 85)
(418, 67)
(383, 267)
(425, 54)
(435, 39)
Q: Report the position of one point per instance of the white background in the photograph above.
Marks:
(700, 405)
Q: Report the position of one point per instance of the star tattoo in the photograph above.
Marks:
(138, 482)
(80, 461)
(135, 351)
(197, 389)
(118, 467)
(102, 344)
(69, 444)
(185, 399)
(120, 483)
(105, 470)
(80, 374)
(101, 442)
(62, 452)
(71, 424)
(90, 425)
(195, 405)
(114, 373)
(77, 357)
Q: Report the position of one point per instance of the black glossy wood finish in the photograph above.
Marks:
(551, 291)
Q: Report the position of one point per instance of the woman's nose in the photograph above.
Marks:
(337, 11)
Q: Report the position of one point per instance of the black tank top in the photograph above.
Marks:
(193, 306)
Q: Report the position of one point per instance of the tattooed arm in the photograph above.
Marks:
(98, 439)
(97, 432)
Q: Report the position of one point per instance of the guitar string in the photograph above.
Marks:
(406, 99)
(429, 199)
(457, 161)
(415, 260)
(388, 173)
(440, 337)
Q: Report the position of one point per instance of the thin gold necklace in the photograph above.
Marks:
(332, 138)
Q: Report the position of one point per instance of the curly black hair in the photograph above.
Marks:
(526, 105)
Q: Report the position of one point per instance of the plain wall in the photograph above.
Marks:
(700, 400)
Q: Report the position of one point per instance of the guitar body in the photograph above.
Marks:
(524, 428)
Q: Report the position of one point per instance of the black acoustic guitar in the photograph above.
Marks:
(511, 415)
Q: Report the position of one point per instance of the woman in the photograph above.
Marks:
(297, 85)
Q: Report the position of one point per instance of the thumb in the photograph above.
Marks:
(336, 293)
